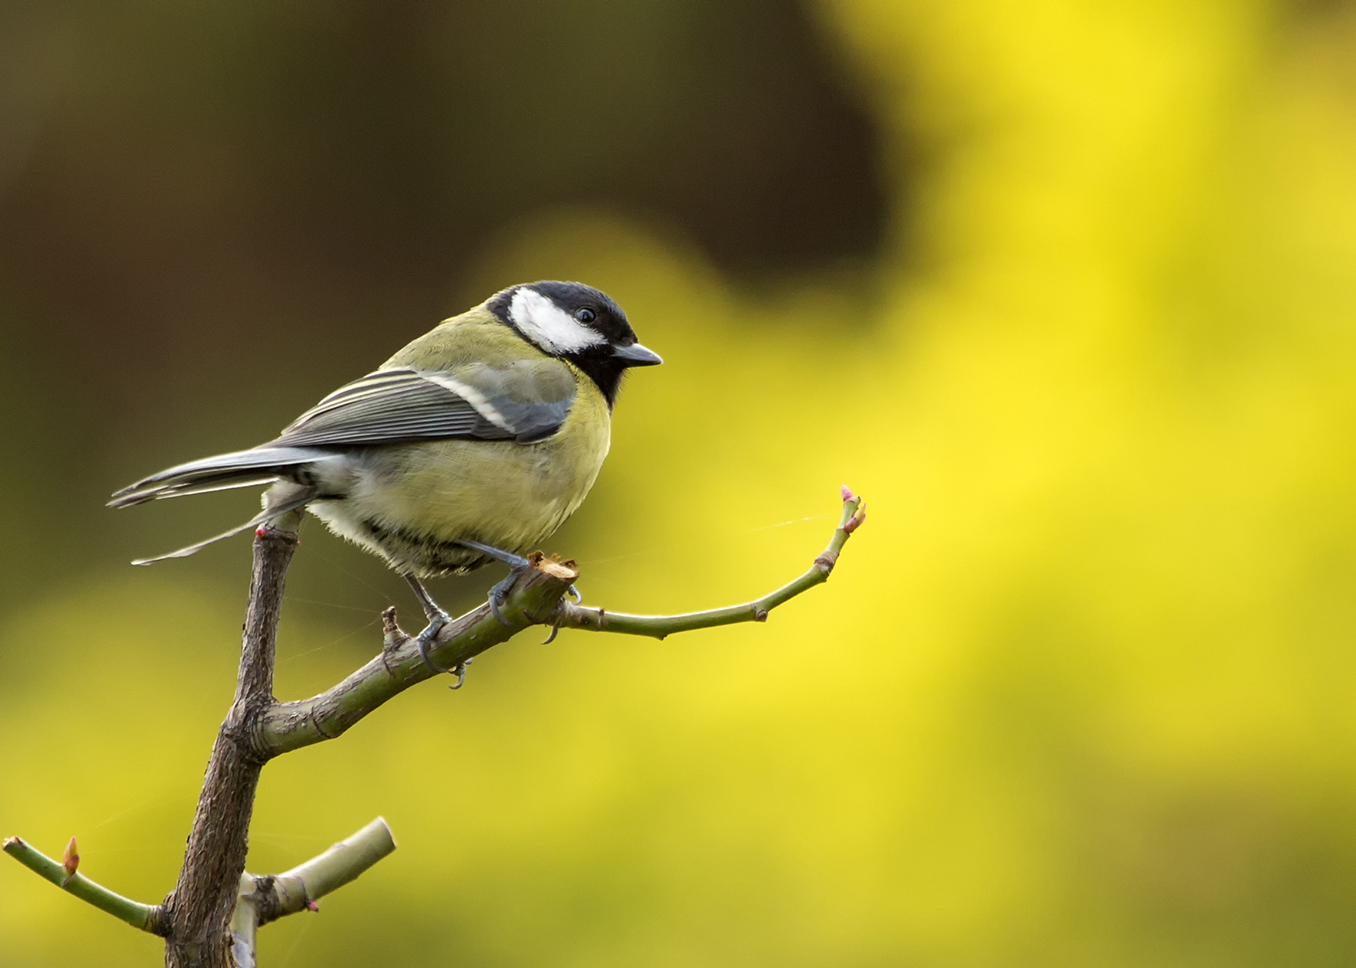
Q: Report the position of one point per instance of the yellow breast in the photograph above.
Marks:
(415, 500)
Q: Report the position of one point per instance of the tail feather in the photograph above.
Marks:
(292, 503)
(261, 465)
(211, 485)
(238, 469)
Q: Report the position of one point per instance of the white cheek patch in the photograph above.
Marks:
(549, 326)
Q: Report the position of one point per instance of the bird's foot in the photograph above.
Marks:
(499, 593)
(426, 638)
(437, 619)
(429, 636)
(555, 629)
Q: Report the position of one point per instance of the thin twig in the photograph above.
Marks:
(575, 616)
(144, 916)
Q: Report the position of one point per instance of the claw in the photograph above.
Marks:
(459, 670)
(574, 593)
(555, 630)
(427, 638)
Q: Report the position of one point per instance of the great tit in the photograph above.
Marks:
(474, 442)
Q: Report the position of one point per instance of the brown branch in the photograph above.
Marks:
(197, 917)
(536, 598)
(199, 908)
(531, 601)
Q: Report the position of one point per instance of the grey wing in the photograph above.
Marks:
(402, 405)
(521, 401)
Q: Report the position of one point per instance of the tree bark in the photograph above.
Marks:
(198, 910)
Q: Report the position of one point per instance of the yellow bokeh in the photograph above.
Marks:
(1081, 690)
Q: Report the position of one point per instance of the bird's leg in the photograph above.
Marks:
(437, 618)
(517, 563)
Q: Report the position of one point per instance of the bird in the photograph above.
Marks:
(471, 444)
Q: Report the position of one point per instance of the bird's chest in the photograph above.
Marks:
(415, 501)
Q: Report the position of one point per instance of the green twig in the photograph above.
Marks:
(303, 885)
(138, 915)
(574, 616)
(268, 897)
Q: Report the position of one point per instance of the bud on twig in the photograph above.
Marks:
(70, 861)
(856, 520)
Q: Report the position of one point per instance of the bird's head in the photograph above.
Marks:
(577, 323)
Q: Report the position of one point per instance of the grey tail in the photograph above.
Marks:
(240, 469)
(262, 465)
(297, 500)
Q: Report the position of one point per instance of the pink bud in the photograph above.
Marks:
(70, 860)
(261, 532)
(312, 906)
(847, 493)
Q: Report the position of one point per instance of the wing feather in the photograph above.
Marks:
(399, 405)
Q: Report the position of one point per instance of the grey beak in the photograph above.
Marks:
(636, 355)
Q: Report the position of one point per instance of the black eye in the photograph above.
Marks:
(585, 315)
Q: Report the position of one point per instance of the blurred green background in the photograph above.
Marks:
(1066, 289)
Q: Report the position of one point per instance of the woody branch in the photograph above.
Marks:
(211, 916)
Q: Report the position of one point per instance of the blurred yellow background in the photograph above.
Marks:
(1073, 306)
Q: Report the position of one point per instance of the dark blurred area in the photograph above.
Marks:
(190, 193)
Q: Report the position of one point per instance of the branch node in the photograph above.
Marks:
(392, 635)
(300, 889)
(760, 614)
(276, 531)
(389, 627)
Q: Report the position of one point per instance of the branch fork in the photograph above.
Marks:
(212, 916)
